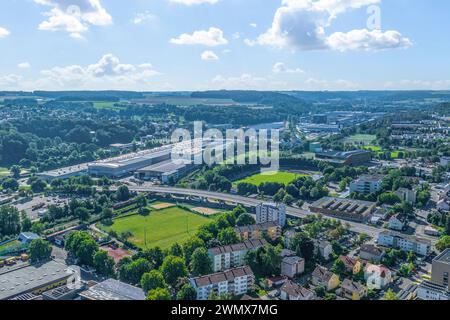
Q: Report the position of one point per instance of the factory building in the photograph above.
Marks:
(349, 209)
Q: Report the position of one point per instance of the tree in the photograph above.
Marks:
(176, 250)
(187, 293)
(103, 263)
(339, 267)
(152, 280)
(389, 198)
(303, 245)
(15, 171)
(227, 236)
(82, 213)
(245, 188)
(173, 268)
(153, 255)
(82, 246)
(201, 263)
(106, 215)
(40, 250)
(447, 226)
(26, 222)
(132, 271)
(123, 193)
(10, 184)
(159, 294)
(189, 247)
(390, 295)
(143, 211)
(245, 220)
(9, 221)
(443, 243)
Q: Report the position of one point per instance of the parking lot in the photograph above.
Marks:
(39, 204)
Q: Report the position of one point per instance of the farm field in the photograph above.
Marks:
(160, 228)
(105, 105)
(365, 139)
(280, 177)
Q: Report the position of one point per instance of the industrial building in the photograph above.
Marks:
(112, 289)
(349, 158)
(164, 171)
(33, 280)
(64, 173)
(354, 210)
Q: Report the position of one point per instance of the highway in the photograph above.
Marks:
(292, 212)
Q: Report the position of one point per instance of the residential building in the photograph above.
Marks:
(271, 212)
(349, 209)
(112, 289)
(404, 242)
(398, 222)
(367, 183)
(444, 161)
(406, 195)
(439, 286)
(377, 276)
(324, 248)
(288, 236)
(292, 291)
(292, 266)
(321, 276)
(370, 252)
(257, 231)
(235, 282)
(352, 290)
(352, 265)
(230, 256)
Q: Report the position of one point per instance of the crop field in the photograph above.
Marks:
(280, 177)
(160, 228)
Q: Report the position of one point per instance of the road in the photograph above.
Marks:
(292, 212)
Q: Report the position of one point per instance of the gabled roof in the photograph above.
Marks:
(293, 289)
(322, 273)
(352, 286)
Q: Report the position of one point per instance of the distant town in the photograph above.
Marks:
(93, 207)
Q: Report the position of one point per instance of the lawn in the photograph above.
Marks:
(280, 177)
(365, 139)
(160, 228)
(373, 148)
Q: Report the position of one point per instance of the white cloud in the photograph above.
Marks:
(280, 67)
(418, 85)
(253, 25)
(211, 38)
(302, 24)
(74, 17)
(4, 32)
(332, 85)
(144, 17)
(236, 36)
(245, 82)
(194, 2)
(108, 72)
(24, 65)
(10, 81)
(209, 55)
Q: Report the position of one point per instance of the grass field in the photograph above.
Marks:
(373, 148)
(4, 172)
(106, 105)
(365, 139)
(160, 228)
(9, 245)
(280, 177)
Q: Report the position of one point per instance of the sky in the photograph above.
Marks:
(186, 45)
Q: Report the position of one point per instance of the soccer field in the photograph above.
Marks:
(280, 177)
(160, 228)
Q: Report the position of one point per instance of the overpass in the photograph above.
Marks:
(248, 202)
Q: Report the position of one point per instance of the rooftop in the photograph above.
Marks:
(228, 276)
(443, 257)
(163, 167)
(30, 277)
(343, 205)
(391, 233)
(247, 245)
(113, 290)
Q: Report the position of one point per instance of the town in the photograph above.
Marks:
(97, 209)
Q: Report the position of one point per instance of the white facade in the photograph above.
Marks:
(366, 184)
(396, 224)
(445, 161)
(405, 243)
(406, 195)
(430, 291)
(268, 212)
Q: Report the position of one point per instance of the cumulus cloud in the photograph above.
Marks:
(334, 85)
(108, 72)
(210, 38)
(74, 16)
(4, 32)
(209, 55)
(280, 67)
(10, 81)
(246, 82)
(24, 65)
(302, 25)
(194, 2)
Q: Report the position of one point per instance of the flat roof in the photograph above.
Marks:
(163, 167)
(112, 289)
(343, 205)
(66, 170)
(443, 257)
(31, 277)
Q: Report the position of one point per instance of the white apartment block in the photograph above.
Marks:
(404, 242)
(231, 256)
(271, 212)
(231, 282)
(366, 184)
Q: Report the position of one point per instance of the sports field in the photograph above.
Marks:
(365, 139)
(280, 177)
(160, 228)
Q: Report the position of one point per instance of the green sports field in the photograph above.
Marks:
(365, 139)
(160, 228)
(280, 177)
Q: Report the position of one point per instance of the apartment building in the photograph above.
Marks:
(271, 212)
(367, 183)
(439, 287)
(256, 231)
(233, 282)
(404, 242)
(231, 256)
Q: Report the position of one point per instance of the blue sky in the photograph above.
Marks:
(224, 44)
